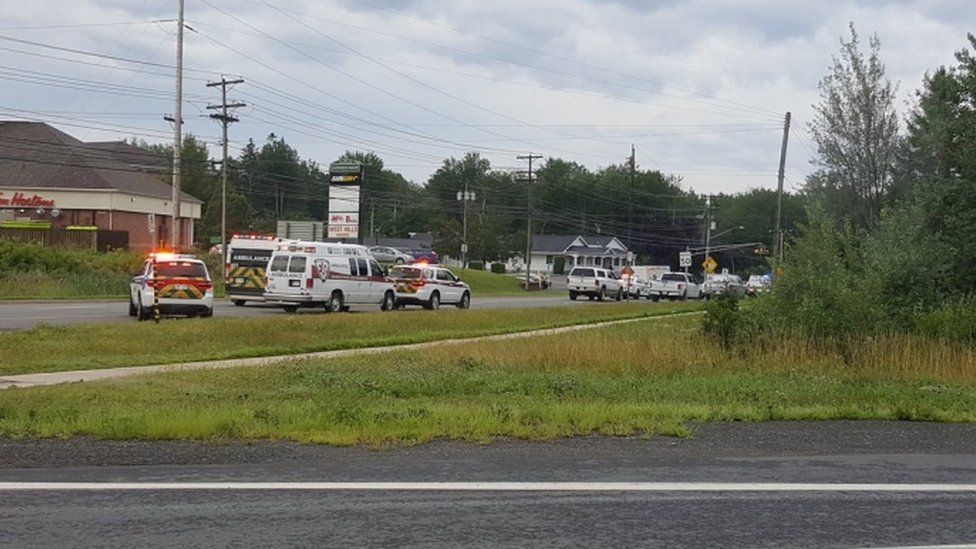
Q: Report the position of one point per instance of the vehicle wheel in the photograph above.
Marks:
(290, 309)
(143, 313)
(637, 296)
(207, 314)
(620, 295)
(434, 302)
(335, 302)
(591, 297)
(399, 261)
(654, 298)
(602, 294)
(573, 296)
(132, 308)
(239, 302)
(465, 302)
(388, 301)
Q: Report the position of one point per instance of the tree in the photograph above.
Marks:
(855, 127)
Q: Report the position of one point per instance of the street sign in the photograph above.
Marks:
(464, 248)
(709, 265)
(684, 259)
(151, 219)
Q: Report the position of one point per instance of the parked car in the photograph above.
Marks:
(723, 283)
(537, 281)
(180, 283)
(675, 286)
(423, 256)
(385, 254)
(329, 275)
(636, 287)
(594, 283)
(429, 286)
(757, 284)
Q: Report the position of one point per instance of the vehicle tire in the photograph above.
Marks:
(465, 302)
(620, 294)
(335, 303)
(132, 308)
(239, 302)
(602, 294)
(290, 309)
(573, 296)
(388, 301)
(434, 302)
(142, 313)
(399, 261)
(591, 297)
(207, 314)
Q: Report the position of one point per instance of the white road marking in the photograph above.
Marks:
(491, 486)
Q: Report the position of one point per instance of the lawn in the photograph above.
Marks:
(58, 348)
(645, 378)
(485, 283)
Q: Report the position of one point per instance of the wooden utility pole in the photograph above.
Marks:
(528, 224)
(225, 120)
(777, 223)
(630, 197)
(178, 132)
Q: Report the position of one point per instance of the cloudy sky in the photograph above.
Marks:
(699, 87)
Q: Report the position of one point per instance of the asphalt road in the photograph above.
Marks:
(22, 315)
(829, 452)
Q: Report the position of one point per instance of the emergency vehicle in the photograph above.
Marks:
(181, 283)
(247, 261)
(320, 274)
(429, 286)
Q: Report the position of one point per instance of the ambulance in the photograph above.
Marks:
(247, 261)
(328, 275)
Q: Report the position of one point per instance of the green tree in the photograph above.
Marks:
(855, 128)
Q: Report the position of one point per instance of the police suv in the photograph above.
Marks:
(429, 286)
(320, 274)
(180, 284)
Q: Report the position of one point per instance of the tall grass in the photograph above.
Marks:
(643, 378)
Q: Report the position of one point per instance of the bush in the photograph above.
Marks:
(498, 268)
(476, 265)
(559, 265)
(722, 319)
(953, 321)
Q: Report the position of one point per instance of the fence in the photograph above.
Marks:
(55, 238)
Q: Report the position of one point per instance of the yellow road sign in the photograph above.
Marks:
(709, 265)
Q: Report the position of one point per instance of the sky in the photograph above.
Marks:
(699, 88)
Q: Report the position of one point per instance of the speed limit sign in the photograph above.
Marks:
(684, 259)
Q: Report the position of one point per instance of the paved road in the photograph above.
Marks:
(21, 315)
(829, 452)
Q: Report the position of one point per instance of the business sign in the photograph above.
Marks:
(345, 180)
(21, 200)
(151, 221)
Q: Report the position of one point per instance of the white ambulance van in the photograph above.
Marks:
(322, 274)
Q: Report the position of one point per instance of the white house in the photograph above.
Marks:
(605, 251)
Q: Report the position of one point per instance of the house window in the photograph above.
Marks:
(616, 262)
(548, 260)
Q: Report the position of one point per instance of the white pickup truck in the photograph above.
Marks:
(675, 286)
(594, 283)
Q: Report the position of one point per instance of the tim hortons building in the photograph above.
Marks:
(48, 176)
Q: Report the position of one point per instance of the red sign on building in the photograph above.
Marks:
(21, 200)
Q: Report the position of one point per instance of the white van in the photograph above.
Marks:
(320, 274)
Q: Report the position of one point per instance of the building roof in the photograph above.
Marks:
(599, 250)
(36, 155)
(560, 243)
(132, 156)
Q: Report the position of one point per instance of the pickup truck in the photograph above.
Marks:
(675, 286)
(594, 283)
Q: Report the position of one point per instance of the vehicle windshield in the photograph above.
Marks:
(410, 273)
(181, 269)
(582, 272)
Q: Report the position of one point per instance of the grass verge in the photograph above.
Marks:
(60, 348)
(485, 283)
(644, 378)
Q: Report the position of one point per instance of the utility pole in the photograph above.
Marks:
(708, 231)
(225, 120)
(777, 223)
(372, 220)
(528, 224)
(464, 196)
(630, 197)
(178, 131)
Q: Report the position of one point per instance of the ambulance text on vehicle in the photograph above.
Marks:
(247, 262)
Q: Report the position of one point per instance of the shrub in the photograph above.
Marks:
(498, 268)
(953, 321)
(559, 265)
(722, 318)
(476, 265)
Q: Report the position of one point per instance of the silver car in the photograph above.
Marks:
(385, 254)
